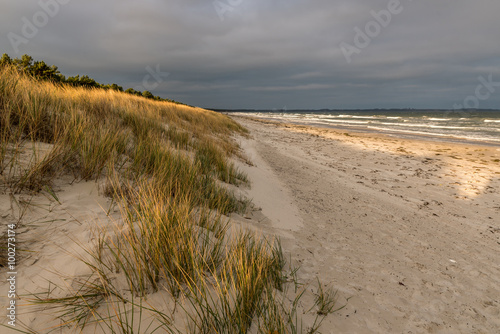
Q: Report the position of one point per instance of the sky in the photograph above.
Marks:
(261, 54)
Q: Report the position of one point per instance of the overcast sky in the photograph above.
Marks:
(262, 54)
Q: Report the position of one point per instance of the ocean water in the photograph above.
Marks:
(461, 126)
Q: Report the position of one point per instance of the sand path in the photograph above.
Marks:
(408, 230)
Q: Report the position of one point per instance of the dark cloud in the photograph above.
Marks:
(270, 54)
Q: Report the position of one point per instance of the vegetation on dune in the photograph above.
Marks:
(41, 71)
(165, 165)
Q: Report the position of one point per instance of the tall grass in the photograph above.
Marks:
(164, 165)
(97, 126)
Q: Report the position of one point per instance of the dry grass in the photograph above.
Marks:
(163, 164)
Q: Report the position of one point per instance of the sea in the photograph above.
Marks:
(473, 126)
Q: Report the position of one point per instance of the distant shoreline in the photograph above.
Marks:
(433, 137)
(352, 110)
(444, 139)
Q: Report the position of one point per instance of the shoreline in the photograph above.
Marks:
(391, 133)
(404, 229)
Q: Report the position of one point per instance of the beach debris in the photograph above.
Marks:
(493, 229)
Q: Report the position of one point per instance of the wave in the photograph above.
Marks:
(355, 116)
(440, 119)
(421, 125)
(364, 117)
(451, 127)
(327, 116)
(432, 126)
(343, 121)
(468, 128)
(460, 136)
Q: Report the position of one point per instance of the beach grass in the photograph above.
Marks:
(165, 166)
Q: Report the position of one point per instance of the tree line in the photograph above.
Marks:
(41, 71)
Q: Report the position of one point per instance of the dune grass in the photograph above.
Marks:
(165, 166)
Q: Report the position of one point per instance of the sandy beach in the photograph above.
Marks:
(408, 231)
(250, 167)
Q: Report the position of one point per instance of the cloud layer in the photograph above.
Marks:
(271, 54)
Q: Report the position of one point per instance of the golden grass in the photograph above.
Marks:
(164, 164)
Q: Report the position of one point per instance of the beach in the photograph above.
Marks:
(407, 231)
